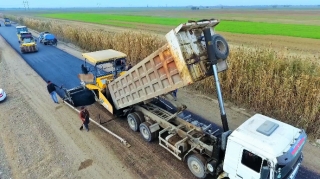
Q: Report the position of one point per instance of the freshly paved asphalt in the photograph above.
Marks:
(49, 62)
(62, 68)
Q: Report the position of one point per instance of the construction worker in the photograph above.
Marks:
(55, 41)
(51, 87)
(84, 69)
(174, 94)
(84, 116)
(129, 66)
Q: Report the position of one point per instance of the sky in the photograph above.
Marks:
(150, 3)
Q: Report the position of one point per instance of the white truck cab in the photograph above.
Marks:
(264, 148)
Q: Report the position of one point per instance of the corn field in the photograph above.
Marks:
(272, 83)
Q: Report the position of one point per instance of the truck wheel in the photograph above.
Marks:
(145, 131)
(140, 115)
(221, 48)
(133, 121)
(155, 134)
(196, 164)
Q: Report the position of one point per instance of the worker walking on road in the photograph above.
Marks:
(52, 91)
(84, 116)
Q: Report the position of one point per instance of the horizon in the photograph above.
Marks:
(187, 6)
(147, 3)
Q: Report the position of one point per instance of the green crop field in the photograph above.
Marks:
(233, 26)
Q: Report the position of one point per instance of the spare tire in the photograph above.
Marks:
(220, 47)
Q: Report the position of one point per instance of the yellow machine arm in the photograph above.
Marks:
(102, 99)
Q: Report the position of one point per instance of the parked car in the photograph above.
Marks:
(49, 39)
(3, 95)
(40, 38)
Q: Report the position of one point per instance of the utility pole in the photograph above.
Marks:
(26, 4)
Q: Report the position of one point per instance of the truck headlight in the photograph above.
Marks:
(210, 167)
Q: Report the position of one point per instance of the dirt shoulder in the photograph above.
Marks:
(40, 139)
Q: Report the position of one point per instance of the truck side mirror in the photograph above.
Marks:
(265, 171)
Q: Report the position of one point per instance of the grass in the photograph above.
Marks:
(262, 28)
(101, 18)
(233, 26)
(272, 83)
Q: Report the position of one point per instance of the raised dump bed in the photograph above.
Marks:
(181, 62)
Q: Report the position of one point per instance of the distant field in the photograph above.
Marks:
(233, 26)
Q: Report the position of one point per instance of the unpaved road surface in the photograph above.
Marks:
(40, 139)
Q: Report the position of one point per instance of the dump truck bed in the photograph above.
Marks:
(181, 62)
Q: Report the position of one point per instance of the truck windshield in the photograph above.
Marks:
(23, 29)
(111, 67)
(103, 69)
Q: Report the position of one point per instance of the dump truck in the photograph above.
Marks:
(27, 42)
(260, 148)
(7, 22)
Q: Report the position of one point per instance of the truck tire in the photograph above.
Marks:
(220, 46)
(155, 134)
(145, 131)
(141, 116)
(196, 164)
(134, 121)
